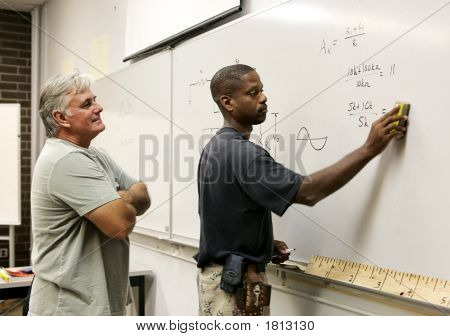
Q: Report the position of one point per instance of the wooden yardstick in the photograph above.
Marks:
(414, 286)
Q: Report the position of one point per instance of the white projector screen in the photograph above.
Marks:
(151, 21)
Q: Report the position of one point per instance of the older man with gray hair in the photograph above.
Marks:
(83, 207)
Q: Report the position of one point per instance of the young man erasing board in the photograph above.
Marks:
(240, 184)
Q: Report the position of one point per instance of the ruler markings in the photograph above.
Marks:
(381, 287)
(356, 274)
(418, 286)
(415, 287)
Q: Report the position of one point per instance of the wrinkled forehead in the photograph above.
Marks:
(74, 99)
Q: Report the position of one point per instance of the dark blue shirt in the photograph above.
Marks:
(239, 184)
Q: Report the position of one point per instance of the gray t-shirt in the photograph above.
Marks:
(79, 270)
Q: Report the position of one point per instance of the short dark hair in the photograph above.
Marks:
(227, 80)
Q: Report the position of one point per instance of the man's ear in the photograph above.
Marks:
(60, 118)
(227, 103)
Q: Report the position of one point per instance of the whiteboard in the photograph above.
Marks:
(136, 111)
(151, 21)
(10, 164)
(329, 70)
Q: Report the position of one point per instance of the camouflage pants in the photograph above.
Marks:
(212, 300)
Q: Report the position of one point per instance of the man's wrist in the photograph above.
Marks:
(366, 153)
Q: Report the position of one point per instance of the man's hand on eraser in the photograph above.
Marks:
(383, 131)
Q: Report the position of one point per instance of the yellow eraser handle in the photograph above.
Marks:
(403, 110)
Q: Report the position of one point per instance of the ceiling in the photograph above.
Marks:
(21, 5)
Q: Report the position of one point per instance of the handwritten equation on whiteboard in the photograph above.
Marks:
(351, 37)
(364, 77)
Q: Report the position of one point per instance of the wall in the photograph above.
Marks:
(81, 33)
(15, 87)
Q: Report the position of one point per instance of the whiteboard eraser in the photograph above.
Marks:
(403, 111)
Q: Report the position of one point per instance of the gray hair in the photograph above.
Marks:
(54, 97)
